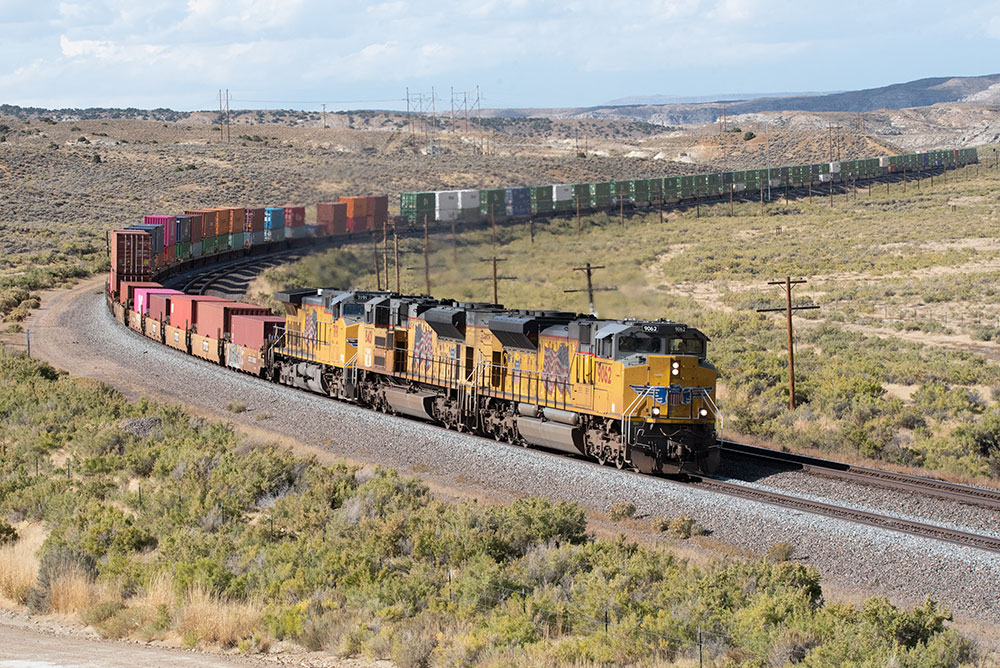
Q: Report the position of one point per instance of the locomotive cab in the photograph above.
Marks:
(668, 410)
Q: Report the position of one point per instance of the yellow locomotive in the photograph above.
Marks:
(639, 394)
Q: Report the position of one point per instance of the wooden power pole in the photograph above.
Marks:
(788, 308)
(589, 271)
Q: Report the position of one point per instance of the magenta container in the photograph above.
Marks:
(169, 225)
(140, 302)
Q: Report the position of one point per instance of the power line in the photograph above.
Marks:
(590, 290)
(788, 283)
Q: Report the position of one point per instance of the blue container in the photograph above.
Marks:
(518, 201)
(274, 217)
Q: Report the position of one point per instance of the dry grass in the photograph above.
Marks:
(207, 619)
(19, 563)
(72, 591)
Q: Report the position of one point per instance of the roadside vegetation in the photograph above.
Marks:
(145, 522)
(898, 366)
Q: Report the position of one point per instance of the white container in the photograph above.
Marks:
(196, 249)
(445, 200)
(739, 187)
(835, 168)
(562, 192)
(446, 215)
(825, 178)
(468, 199)
(883, 161)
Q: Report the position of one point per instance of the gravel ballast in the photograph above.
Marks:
(77, 333)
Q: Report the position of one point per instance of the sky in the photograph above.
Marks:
(299, 54)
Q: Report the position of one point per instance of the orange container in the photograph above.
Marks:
(357, 207)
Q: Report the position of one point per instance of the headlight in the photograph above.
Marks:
(676, 365)
(655, 411)
(675, 371)
(703, 412)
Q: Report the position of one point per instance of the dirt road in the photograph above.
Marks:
(27, 643)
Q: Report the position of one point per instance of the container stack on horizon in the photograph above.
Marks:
(417, 206)
(517, 202)
(360, 213)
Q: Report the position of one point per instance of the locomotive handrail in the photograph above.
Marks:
(716, 412)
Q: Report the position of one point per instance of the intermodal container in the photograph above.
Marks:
(491, 202)
(196, 249)
(159, 306)
(155, 231)
(183, 229)
(209, 246)
(169, 255)
(600, 194)
(184, 309)
(197, 225)
(237, 240)
(517, 201)
(295, 216)
(183, 251)
(253, 219)
(209, 220)
(357, 224)
(127, 289)
(140, 299)
(132, 253)
(357, 207)
(253, 331)
(380, 210)
(541, 199)
(274, 217)
(257, 238)
(214, 319)
(168, 223)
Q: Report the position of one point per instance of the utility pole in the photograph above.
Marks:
(324, 114)
(395, 253)
(378, 271)
(589, 271)
(385, 251)
(788, 283)
(427, 256)
(496, 279)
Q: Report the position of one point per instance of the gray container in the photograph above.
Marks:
(257, 238)
(196, 249)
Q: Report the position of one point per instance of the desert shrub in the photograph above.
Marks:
(684, 527)
(100, 612)
(622, 510)
(780, 552)
(236, 407)
(8, 534)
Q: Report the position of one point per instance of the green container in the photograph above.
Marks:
(236, 240)
(623, 188)
(417, 205)
(671, 187)
(541, 199)
(183, 250)
(209, 246)
(581, 196)
(639, 190)
(655, 188)
(687, 186)
(494, 198)
(600, 194)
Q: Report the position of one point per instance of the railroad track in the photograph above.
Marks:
(850, 514)
(202, 282)
(988, 499)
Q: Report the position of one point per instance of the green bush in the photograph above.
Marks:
(99, 612)
(622, 510)
(8, 534)
(685, 527)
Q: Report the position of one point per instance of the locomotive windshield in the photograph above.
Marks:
(644, 344)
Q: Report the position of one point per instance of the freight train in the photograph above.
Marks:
(638, 394)
(473, 205)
